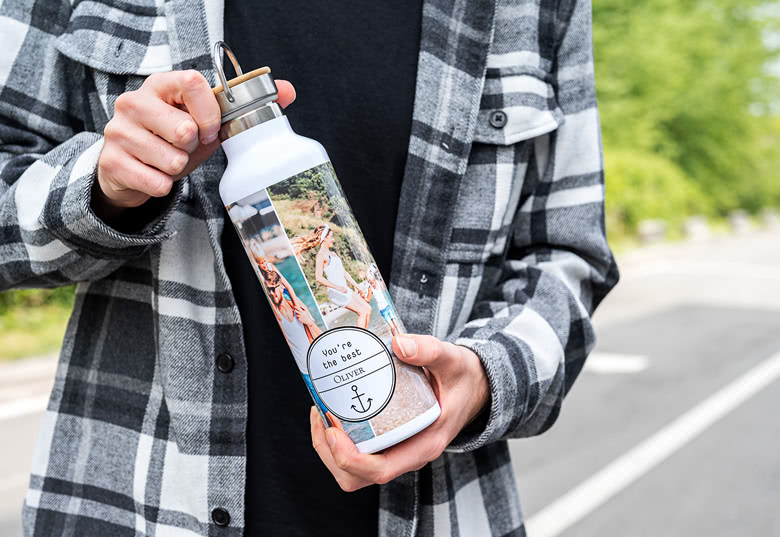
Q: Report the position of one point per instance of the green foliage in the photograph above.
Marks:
(685, 94)
(30, 298)
(308, 185)
(32, 321)
(643, 185)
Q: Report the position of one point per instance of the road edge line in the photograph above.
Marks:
(23, 407)
(623, 471)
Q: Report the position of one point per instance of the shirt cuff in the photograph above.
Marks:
(68, 213)
(508, 392)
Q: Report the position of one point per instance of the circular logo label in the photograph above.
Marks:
(352, 372)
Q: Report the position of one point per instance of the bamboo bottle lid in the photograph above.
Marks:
(243, 78)
(245, 92)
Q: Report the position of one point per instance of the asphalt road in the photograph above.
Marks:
(671, 430)
(23, 392)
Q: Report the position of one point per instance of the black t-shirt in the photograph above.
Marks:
(354, 67)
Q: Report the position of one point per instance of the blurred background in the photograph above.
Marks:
(671, 428)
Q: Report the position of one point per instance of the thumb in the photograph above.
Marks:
(423, 351)
(286, 95)
(341, 446)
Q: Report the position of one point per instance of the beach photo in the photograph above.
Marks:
(345, 281)
(331, 250)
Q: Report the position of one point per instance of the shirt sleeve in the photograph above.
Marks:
(49, 234)
(533, 331)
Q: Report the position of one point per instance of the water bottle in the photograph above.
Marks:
(320, 279)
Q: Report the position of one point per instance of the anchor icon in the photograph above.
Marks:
(363, 408)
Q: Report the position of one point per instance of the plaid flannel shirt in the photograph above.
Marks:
(500, 246)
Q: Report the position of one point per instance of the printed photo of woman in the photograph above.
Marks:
(298, 326)
(264, 266)
(330, 272)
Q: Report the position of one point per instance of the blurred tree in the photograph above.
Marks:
(687, 83)
(30, 298)
(643, 185)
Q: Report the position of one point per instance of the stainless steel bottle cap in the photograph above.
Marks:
(244, 93)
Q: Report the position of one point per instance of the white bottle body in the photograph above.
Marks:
(290, 213)
(264, 155)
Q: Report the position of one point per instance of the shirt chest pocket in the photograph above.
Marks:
(119, 43)
(518, 103)
(517, 109)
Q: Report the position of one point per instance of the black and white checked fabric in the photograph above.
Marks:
(500, 246)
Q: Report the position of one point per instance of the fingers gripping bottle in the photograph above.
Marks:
(300, 235)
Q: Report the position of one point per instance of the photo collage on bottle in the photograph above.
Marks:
(318, 273)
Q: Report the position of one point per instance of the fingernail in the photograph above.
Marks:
(330, 435)
(208, 139)
(186, 130)
(408, 346)
(179, 162)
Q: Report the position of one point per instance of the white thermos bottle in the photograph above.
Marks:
(321, 281)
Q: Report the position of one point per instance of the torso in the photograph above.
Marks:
(334, 270)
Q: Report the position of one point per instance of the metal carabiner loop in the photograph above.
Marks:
(219, 46)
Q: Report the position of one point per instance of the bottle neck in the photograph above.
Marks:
(241, 142)
(251, 119)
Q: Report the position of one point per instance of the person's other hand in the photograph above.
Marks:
(159, 133)
(461, 386)
(341, 289)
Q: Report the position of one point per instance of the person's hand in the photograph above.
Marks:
(462, 389)
(341, 289)
(159, 133)
(303, 315)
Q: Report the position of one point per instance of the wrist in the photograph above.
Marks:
(132, 219)
(103, 206)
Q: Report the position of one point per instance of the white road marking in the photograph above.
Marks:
(619, 474)
(610, 363)
(23, 407)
